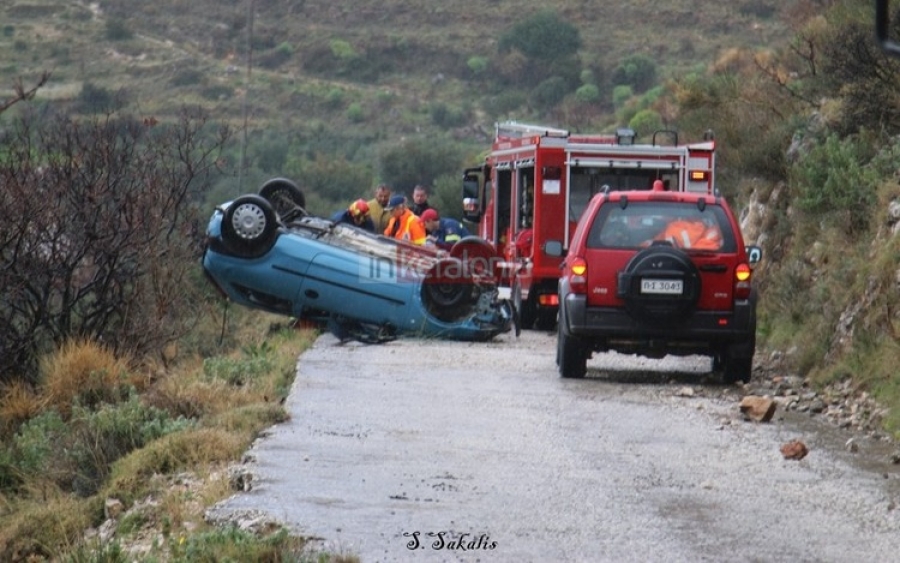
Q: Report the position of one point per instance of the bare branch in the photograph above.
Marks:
(21, 94)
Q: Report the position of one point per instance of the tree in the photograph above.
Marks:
(100, 236)
(549, 46)
(543, 36)
(637, 71)
(417, 162)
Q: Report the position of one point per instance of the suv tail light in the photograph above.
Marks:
(742, 285)
(578, 276)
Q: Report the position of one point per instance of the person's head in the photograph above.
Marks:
(383, 194)
(420, 194)
(431, 219)
(396, 205)
(358, 210)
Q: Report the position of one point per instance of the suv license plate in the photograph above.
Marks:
(663, 287)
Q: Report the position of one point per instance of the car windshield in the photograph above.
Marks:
(683, 225)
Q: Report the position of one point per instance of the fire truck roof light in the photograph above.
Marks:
(625, 136)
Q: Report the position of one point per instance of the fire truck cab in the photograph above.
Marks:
(536, 181)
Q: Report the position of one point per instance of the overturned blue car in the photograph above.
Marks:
(266, 252)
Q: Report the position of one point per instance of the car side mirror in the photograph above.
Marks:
(754, 255)
(553, 248)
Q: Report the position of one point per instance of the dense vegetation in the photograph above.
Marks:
(118, 377)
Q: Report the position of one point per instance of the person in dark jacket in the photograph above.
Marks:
(357, 215)
(420, 200)
(443, 233)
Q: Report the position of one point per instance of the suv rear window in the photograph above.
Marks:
(638, 224)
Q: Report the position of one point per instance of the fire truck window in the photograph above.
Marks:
(504, 204)
(580, 193)
(526, 199)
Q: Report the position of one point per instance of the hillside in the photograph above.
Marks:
(372, 67)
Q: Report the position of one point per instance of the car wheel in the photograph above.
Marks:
(284, 195)
(529, 312)
(660, 262)
(249, 226)
(447, 289)
(546, 319)
(570, 355)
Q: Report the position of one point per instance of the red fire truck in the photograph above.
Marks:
(534, 184)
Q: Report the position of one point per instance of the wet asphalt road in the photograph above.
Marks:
(451, 451)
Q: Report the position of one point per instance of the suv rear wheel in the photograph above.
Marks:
(736, 369)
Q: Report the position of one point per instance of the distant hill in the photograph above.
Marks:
(379, 67)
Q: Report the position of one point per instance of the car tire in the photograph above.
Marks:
(249, 227)
(446, 296)
(660, 310)
(571, 355)
(529, 312)
(546, 320)
(284, 195)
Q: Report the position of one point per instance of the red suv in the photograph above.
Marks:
(656, 273)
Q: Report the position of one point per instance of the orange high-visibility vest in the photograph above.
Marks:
(693, 234)
(407, 227)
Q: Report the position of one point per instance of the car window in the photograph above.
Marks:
(684, 225)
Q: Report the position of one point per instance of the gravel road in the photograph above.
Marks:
(450, 451)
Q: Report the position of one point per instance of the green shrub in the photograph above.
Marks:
(342, 50)
(545, 36)
(117, 30)
(334, 98)
(9, 30)
(103, 436)
(587, 77)
(39, 446)
(478, 64)
(96, 99)
(233, 544)
(645, 122)
(504, 103)
(355, 113)
(217, 92)
(187, 77)
(446, 116)
(549, 92)
(832, 180)
(587, 94)
(621, 94)
(237, 372)
(637, 71)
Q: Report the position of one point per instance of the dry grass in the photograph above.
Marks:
(19, 402)
(46, 528)
(165, 485)
(83, 372)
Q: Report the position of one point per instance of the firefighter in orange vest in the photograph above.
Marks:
(404, 225)
(693, 233)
